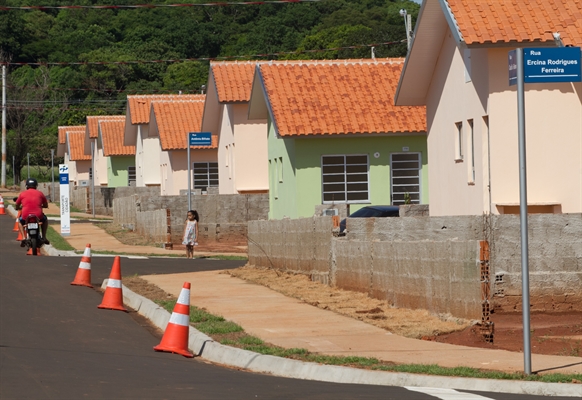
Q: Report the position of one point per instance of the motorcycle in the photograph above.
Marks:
(34, 239)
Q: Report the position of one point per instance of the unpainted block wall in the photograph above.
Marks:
(433, 262)
(555, 262)
(152, 225)
(223, 218)
(297, 245)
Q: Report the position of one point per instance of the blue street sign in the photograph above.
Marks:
(64, 179)
(200, 138)
(552, 64)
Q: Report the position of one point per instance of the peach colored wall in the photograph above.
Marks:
(177, 162)
(242, 151)
(250, 152)
(226, 161)
(553, 129)
(100, 166)
(553, 136)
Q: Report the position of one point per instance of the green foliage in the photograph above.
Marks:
(150, 47)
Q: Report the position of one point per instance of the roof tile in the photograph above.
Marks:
(338, 97)
(139, 105)
(233, 80)
(64, 129)
(518, 21)
(175, 119)
(93, 123)
(77, 146)
(112, 139)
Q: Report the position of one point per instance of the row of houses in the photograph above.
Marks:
(439, 127)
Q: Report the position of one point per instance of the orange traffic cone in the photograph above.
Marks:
(15, 229)
(83, 277)
(2, 210)
(19, 238)
(175, 339)
(113, 297)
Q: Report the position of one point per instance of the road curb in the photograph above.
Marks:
(203, 346)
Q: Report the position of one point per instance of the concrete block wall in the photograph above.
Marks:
(433, 262)
(555, 262)
(298, 245)
(223, 218)
(152, 225)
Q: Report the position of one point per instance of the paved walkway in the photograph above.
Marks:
(289, 323)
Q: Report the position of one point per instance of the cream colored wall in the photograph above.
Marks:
(226, 176)
(147, 157)
(553, 136)
(553, 124)
(139, 160)
(452, 100)
(250, 152)
(82, 170)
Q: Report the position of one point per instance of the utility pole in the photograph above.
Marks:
(3, 179)
(407, 26)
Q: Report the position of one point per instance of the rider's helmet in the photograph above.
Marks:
(31, 183)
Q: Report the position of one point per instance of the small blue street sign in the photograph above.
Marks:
(64, 179)
(551, 64)
(200, 138)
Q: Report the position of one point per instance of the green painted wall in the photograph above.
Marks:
(301, 188)
(282, 195)
(117, 174)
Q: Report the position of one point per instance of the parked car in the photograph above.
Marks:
(371, 212)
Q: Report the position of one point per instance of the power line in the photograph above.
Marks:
(113, 7)
(221, 58)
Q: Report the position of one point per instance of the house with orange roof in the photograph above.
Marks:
(147, 146)
(65, 148)
(100, 161)
(335, 136)
(79, 163)
(457, 67)
(120, 159)
(171, 121)
(242, 143)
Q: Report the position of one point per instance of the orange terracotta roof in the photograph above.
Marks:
(139, 105)
(233, 80)
(503, 21)
(93, 123)
(175, 119)
(338, 97)
(64, 129)
(112, 139)
(77, 146)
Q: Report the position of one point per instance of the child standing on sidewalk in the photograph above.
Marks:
(191, 233)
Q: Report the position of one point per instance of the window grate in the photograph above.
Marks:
(205, 174)
(345, 178)
(405, 178)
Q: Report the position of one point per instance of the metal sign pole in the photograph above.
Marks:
(523, 213)
(93, 178)
(53, 175)
(189, 174)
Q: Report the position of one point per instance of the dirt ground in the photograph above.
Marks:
(554, 334)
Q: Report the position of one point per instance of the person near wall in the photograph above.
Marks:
(191, 233)
(32, 201)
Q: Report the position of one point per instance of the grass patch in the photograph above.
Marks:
(57, 241)
(234, 336)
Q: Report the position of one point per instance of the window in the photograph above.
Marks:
(345, 178)
(459, 142)
(205, 174)
(405, 178)
(471, 152)
(131, 175)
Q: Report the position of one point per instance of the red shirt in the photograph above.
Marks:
(32, 201)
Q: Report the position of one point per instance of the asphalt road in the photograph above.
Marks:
(56, 344)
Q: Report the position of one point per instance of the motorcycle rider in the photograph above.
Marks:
(32, 202)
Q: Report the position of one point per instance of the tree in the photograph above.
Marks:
(32, 111)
